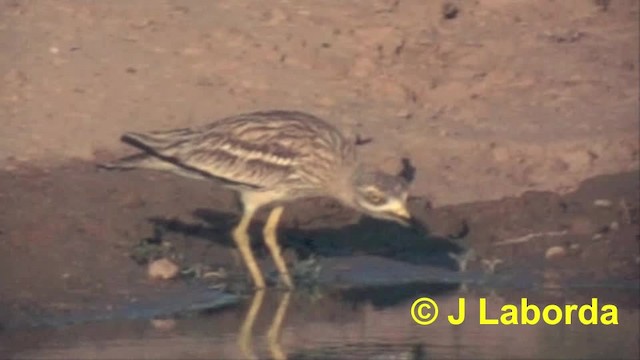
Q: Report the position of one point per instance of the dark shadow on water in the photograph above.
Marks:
(367, 237)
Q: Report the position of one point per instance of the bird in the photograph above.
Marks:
(271, 158)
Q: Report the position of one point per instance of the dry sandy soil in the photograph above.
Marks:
(499, 98)
(503, 107)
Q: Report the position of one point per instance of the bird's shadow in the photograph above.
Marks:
(367, 237)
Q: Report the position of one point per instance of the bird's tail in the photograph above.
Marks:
(153, 144)
(135, 161)
(156, 141)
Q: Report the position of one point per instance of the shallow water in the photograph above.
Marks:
(345, 325)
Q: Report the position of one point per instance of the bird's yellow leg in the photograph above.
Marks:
(244, 338)
(243, 241)
(275, 330)
(271, 239)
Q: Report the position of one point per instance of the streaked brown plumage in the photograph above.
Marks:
(269, 157)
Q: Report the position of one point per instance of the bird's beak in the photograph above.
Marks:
(401, 215)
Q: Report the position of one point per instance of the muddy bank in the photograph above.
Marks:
(68, 239)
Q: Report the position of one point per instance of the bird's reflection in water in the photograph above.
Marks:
(275, 328)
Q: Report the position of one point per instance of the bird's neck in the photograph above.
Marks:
(343, 189)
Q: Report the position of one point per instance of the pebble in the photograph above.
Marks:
(602, 203)
(450, 11)
(555, 252)
(164, 269)
(615, 226)
(163, 324)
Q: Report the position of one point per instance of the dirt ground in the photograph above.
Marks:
(487, 98)
(503, 107)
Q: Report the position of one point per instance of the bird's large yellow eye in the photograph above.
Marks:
(375, 198)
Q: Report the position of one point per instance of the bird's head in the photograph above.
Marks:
(382, 196)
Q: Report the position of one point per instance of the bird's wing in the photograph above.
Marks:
(214, 154)
(255, 150)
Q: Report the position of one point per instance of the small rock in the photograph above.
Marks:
(574, 247)
(615, 226)
(163, 324)
(450, 11)
(54, 50)
(597, 236)
(163, 269)
(564, 36)
(602, 203)
(555, 252)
